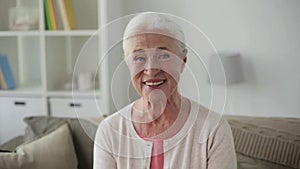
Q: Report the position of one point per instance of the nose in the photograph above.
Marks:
(152, 66)
(151, 71)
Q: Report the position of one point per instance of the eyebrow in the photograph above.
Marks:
(163, 48)
(142, 50)
(138, 50)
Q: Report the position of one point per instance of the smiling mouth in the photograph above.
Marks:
(154, 84)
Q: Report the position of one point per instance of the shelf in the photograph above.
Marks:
(68, 94)
(68, 57)
(45, 63)
(25, 63)
(71, 33)
(19, 33)
(34, 91)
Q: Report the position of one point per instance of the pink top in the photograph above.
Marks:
(157, 158)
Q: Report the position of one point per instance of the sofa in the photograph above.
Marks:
(266, 142)
(260, 143)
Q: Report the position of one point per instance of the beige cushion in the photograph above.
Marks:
(52, 151)
(83, 134)
(246, 162)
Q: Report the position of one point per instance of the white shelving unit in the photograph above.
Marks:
(43, 62)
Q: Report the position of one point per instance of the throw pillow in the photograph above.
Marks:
(83, 133)
(54, 150)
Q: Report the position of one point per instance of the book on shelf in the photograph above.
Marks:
(57, 15)
(7, 80)
(46, 19)
(63, 14)
(2, 81)
(71, 14)
(47, 15)
(60, 14)
(52, 14)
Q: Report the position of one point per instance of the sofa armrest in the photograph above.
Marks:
(273, 139)
(12, 143)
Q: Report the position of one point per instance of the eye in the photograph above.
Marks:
(164, 56)
(139, 59)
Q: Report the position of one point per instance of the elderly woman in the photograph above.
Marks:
(161, 129)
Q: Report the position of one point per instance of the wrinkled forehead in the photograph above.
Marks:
(152, 41)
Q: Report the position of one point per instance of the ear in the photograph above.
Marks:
(183, 64)
(185, 59)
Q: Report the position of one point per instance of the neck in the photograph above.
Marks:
(148, 122)
(148, 109)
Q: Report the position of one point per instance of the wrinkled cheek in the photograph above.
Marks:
(134, 77)
(135, 70)
(173, 70)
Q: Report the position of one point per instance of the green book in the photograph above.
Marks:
(47, 14)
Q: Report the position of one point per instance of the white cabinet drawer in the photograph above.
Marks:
(12, 112)
(67, 107)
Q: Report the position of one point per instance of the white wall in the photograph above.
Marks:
(266, 33)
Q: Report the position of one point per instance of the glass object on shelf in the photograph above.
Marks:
(68, 83)
(85, 81)
(23, 18)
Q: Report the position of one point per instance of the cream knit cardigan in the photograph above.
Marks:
(204, 142)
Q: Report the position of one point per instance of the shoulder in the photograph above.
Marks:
(115, 121)
(208, 122)
(205, 115)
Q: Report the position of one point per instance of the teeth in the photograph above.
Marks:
(154, 83)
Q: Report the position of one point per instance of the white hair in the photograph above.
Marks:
(152, 22)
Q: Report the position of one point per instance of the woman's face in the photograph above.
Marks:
(155, 63)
